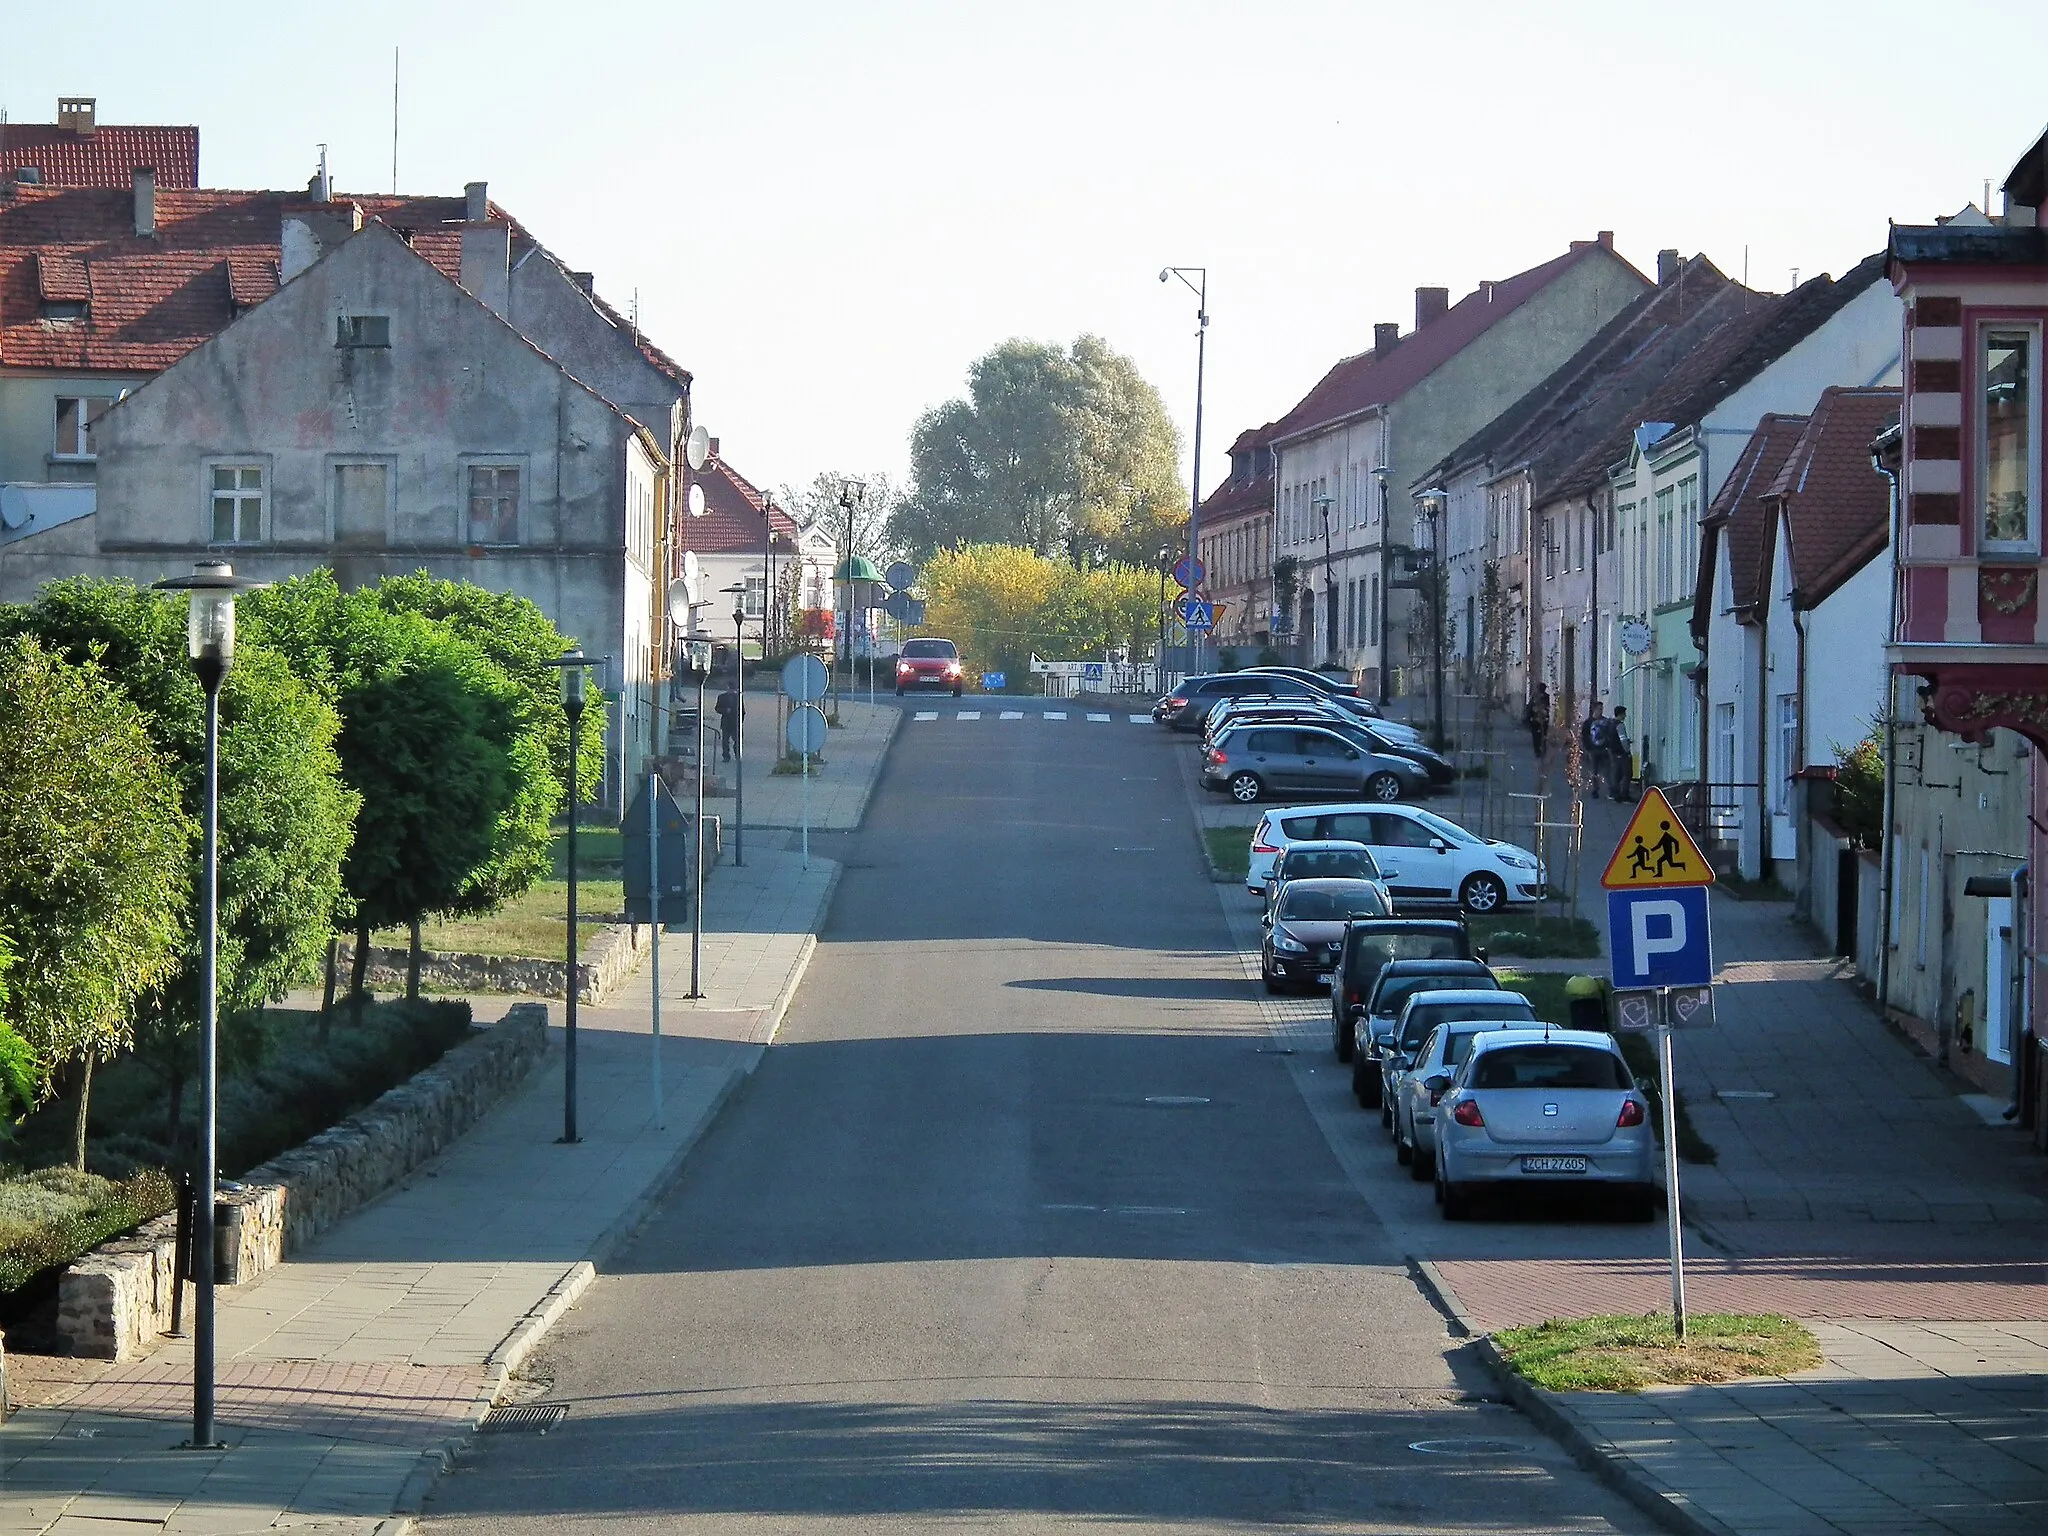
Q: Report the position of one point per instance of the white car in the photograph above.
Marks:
(1426, 859)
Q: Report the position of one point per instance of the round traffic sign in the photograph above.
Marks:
(806, 732)
(1190, 572)
(902, 576)
(803, 679)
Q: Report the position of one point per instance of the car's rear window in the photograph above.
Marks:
(1371, 953)
(1347, 864)
(930, 650)
(1459, 1046)
(1550, 1066)
(1422, 1020)
(1394, 993)
(1327, 905)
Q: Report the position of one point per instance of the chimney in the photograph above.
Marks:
(1667, 267)
(487, 261)
(712, 457)
(145, 200)
(1384, 336)
(1429, 303)
(1607, 239)
(587, 281)
(476, 202)
(76, 114)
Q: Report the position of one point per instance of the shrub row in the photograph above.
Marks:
(51, 1217)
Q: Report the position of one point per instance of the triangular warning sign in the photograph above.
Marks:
(1656, 850)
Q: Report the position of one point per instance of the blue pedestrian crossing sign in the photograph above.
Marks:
(1659, 937)
(1195, 613)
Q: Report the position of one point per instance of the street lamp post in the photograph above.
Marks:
(700, 667)
(851, 494)
(1198, 285)
(1385, 601)
(573, 680)
(1165, 565)
(1322, 505)
(210, 642)
(1434, 503)
(738, 593)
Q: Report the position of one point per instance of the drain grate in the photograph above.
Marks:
(523, 1419)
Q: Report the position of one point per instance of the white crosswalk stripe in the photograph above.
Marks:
(1011, 714)
(968, 714)
(926, 714)
(1055, 714)
(1103, 718)
(1141, 719)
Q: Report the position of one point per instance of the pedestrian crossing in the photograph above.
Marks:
(1091, 717)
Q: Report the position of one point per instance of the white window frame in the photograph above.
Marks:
(1787, 747)
(2031, 329)
(517, 464)
(211, 493)
(80, 452)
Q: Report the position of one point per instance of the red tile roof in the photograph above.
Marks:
(1374, 378)
(1237, 496)
(1740, 508)
(1837, 506)
(107, 157)
(733, 508)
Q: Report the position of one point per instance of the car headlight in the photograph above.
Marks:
(1516, 861)
(1287, 945)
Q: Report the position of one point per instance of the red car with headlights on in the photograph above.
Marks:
(928, 664)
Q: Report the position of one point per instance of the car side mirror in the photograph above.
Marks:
(1479, 953)
(1439, 845)
(1266, 919)
(1390, 874)
(1437, 1082)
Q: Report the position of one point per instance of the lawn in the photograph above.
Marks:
(1626, 1354)
(1533, 935)
(534, 925)
(1230, 850)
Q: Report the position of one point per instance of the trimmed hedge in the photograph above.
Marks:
(51, 1217)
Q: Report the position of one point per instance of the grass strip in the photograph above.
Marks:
(1533, 935)
(1626, 1354)
(1230, 850)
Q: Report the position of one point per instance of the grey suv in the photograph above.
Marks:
(1250, 762)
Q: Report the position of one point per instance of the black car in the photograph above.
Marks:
(1188, 705)
(1373, 1026)
(1305, 931)
(1374, 943)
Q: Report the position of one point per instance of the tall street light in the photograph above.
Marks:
(1383, 618)
(1433, 504)
(1165, 566)
(1322, 505)
(210, 641)
(738, 593)
(1198, 285)
(851, 494)
(698, 647)
(573, 664)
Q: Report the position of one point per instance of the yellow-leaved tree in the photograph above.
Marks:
(1000, 603)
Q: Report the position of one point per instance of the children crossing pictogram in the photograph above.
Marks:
(1656, 850)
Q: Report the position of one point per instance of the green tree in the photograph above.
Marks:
(1859, 791)
(93, 872)
(18, 1076)
(874, 511)
(1066, 453)
(285, 815)
(1000, 603)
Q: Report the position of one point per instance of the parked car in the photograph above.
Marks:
(1373, 1028)
(1322, 682)
(1252, 762)
(1372, 945)
(1305, 934)
(1406, 1106)
(1533, 1109)
(1326, 860)
(1258, 708)
(928, 663)
(1185, 707)
(1439, 862)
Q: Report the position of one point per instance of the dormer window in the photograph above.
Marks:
(363, 331)
(2009, 437)
(62, 309)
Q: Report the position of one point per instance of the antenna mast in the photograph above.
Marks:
(394, 122)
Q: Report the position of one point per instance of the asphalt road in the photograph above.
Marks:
(1023, 1225)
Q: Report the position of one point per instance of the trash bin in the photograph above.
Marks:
(1586, 1002)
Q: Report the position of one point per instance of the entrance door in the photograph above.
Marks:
(1998, 980)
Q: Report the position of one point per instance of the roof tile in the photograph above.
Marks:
(108, 157)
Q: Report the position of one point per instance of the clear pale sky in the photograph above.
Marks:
(829, 209)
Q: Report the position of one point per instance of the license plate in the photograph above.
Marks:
(1553, 1164)
(1323, 978)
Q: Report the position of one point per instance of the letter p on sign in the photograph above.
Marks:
(1659, 938)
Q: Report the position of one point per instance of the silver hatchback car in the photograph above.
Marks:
(1543, 1108)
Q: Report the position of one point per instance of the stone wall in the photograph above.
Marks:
(114, 1302)
(607, 960)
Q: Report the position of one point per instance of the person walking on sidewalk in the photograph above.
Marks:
(1595, 741)
(728, 720)
(1621, 758)
(1536, 717)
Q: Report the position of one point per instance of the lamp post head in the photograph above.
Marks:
(572, 665)
(210, 591)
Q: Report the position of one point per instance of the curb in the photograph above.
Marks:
(1551, 1415)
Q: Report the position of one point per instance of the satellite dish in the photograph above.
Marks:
(693, 576)
(694, 500)
(697, 448)
(679, 603)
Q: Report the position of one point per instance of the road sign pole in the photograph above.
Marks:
(1669, 1096)
(807, 810)
(654, 893)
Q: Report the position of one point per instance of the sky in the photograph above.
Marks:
(828, 210)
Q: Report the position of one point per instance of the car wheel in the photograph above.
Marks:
(1640, 1207)
(1365, 1088)
(956, 690)
(1387, 1113)
(1245, 788)
(899, 690)
(1341, 1038)
(1383, 787)
(1419, 1169)
(1457, 1201)
(1404, 1154)
(1482, 892)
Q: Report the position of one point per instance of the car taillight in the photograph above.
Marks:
(1176, 702)
(1218, 757)
(1631, 1113)
(1467, 1113)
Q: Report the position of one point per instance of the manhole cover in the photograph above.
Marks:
(523, 1419)
(1469, 1447)
(1175, 1100)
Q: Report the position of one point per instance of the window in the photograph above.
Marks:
(1375, 620)
(362, 331)
(493, 504)
(237, 504)
(76, 418)
(1724, 743)
(1788, 748)
(2008, 439)
(1666, 575)
(755, 598)
(1688, 535)
(362, 499)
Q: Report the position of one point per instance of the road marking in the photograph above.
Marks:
(1121, 1210)
(968, 714)
(1141, 719)
(1055, 714)
(1103, 718)
(926, 714)
(1174, 1100)
(1011, 714)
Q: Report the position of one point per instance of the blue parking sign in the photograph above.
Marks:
(1659, 937)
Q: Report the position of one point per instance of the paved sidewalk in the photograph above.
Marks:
(347, 1374)
(839, 787)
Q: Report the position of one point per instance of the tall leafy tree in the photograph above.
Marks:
(1001, 603)
(875, 508)
(1068, 453)
(93, 873)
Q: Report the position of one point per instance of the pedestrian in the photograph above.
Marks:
(1620, 754)
(1595, 739)
(1536, 716)
(728, 720)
